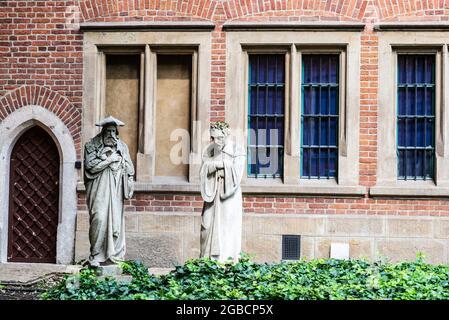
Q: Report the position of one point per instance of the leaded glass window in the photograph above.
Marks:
(416, 116)
(266, 93)
(319, 116)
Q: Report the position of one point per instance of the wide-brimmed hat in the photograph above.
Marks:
(110, 120)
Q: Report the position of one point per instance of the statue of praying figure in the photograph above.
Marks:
(220, 175)
(108, 176)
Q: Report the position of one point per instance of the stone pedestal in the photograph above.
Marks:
(109, 271)
(113, 271)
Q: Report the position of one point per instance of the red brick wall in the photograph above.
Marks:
(37, 50)
(41, 60)
(287, 205)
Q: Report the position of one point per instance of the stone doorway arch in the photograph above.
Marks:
(11, 129)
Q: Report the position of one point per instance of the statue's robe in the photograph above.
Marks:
(107, 185)
(221, 225)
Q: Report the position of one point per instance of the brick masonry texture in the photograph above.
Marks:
(41, 63)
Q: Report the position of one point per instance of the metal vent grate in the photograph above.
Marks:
(291, 245)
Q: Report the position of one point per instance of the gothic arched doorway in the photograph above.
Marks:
(34, 198)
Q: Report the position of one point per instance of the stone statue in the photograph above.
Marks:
(108, 176)
(220, 175)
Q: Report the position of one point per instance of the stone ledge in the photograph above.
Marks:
(424, 191)
(304, 189)
(144, 26)
(412, 26)
(251, 188)
(293, 26)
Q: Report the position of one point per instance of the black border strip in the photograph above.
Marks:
(144, 26)
(411, 26)
(286, 26)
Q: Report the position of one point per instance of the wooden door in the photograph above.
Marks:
(34, 198)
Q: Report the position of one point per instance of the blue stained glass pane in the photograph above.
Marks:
(280, 71)
(280, 98)
(325, 72)
(420, 107)
(323, 161)
(401, 101)
(262, 70)
(420, 163)
(429, 132)
(401, 71)
(271, 69)
(430, 76)
(314, 162)
(410, 127)
(262, 100)
(410, 73)
(410, 162)
(401, 166)
(307, 101)
(314, 123)
(305, 131)
(420, 69)
(333, 162)
(429, 155)
(334, 101)
(305, 161)
(266, 86)
(420, 132)
(429, 102)
(333, 132)
(401, 132)
(253, 70)
(271, 103)
(324, 97)
(319, 115)
(280, 131)
(333, 77)
(315, 69)
(253, 102)
(324, 134)
(410, 102)
(307, 76)
(315, 101)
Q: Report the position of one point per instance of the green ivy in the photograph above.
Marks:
(302, 280)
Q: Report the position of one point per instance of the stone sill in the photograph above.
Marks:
(410, 189)
(277, 188)
(412, 26)
(324, 188)
(144, 26)
(293, 26)
(157, 187)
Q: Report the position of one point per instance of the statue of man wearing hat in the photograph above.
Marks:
(108, 177)
(220, 175)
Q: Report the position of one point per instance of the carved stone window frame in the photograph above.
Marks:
(189, 39)
(411, 41)
(294, 41)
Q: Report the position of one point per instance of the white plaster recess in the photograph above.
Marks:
(11, 128)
